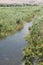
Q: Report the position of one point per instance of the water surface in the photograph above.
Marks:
(11, 47)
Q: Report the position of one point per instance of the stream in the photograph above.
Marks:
(11, 47)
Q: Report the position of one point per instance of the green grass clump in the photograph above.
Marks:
(33, 53)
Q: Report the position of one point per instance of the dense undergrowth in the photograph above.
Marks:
(12, 18)
(33, 53)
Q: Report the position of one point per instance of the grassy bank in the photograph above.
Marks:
(12, 18)
(33, 53)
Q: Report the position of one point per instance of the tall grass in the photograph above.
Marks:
(33, 53)
(12, 18)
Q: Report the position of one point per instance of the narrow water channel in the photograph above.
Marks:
(11, 47)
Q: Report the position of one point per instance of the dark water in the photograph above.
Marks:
(11, 47)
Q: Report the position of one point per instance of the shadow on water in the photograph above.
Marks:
(11, 47)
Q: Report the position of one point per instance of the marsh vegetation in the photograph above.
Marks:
(12, 19)
(33, 53)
